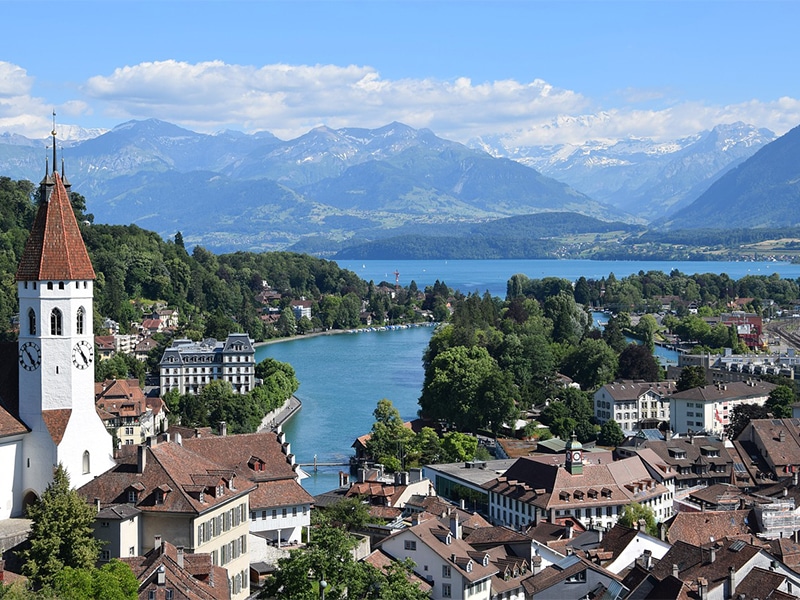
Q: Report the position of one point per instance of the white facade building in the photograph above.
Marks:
(189, 366)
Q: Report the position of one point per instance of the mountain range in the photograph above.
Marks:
(331, 189)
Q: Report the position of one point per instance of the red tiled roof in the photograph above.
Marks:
(284, 492)
(9, 425)
(198, 579)
(56, 422)
(55, 248)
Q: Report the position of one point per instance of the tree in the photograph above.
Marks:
(350, 513)
(389, 436)
(454, 384)
(113, 581)
(459, 447)
(780, 402)
(610, 434)
(592, 364)
(61, 533)
(637, 362)
(691, 377)
(635, 512)
(741, 415)
(646, 329)
(286, 324)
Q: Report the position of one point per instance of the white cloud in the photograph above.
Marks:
(288, 100)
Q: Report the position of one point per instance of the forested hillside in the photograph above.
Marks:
(214, 294)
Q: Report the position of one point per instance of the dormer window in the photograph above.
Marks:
(202, 497)
(132, 496)
(468, 567)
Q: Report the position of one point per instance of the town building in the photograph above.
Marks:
(183, 497)
(131, 416)
(442, 557)
(708, 409)
(684, 462)
(634, 405)
(47, 414)
(590, 493)
(280, 509)
(301, 308)
(189, 366)
(168, 573)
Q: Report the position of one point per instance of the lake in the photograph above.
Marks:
(343, 376)
(492, 275)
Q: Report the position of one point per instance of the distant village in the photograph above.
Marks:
(667, 513)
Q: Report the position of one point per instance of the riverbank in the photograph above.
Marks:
(280, 415)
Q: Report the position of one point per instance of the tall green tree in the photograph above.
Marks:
(61, 533)
(780, 402)
(610, 434)
(635, 512)
(637, 362)
(691, 377)
(592, 363)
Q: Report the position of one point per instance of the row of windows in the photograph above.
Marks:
(284, 513)
(56, 322)
(61, 285)
(233, 550)
(221, 523)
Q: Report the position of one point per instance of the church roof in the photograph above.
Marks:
(55, 248)
(56, 421)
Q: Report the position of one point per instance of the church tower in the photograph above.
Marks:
(574, 458)
(56, 346)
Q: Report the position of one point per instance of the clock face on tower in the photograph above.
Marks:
(576, 456)
(82, 354)
(30, 357)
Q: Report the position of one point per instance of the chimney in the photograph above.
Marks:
(731, 581)
(462, 504)
(712, 553)
(455, 526)
(675, 571)
(662, 532)
(178, 439)
(642, 525)
(223, 428)
(668, 435)
(179, 557)
(452, 558)
(702, 588)
(782, 436)
(156, 542)
(97, 504)
(795, 478)
(568, 524)
(141, 459)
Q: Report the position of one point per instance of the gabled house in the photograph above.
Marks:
(634, 405)
(185, 498)
(574, 577)
(452, 567)
(168, 573)
(131, 416)
(279, 506)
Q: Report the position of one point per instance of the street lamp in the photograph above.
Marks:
(322, 585)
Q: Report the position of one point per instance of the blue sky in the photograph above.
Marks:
(532, 72)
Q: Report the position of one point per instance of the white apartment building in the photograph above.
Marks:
(189, 366)
(634, 405)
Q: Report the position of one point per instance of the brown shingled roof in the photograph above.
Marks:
(55, 248)
(56, 422)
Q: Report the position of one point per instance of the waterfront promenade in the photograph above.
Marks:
(280, 415)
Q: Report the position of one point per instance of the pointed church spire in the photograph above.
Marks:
(55, 249)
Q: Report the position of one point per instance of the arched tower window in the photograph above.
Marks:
(86, 462)
(31, 321)
(56, 321)
(79, 321)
